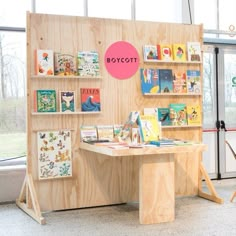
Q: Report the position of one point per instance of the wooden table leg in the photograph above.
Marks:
(156, 189)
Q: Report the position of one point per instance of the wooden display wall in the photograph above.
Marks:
(98, 179)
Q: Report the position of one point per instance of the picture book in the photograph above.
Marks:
(149, 81)
(90, 99)
(150, 52)
(166, 80)
(45, 100)
(150, 111)
(194, 115)
(166, 52)
(193, 81)
(194, 51)
(179, 52)
(178, 114)
(88, 133)
(117, 129)
(67, 101)
(105, 132)
(164, 116)
(149, 128)
(54, 154)
(88, 63)
(44, 62)
(64, 64)
(179, 82)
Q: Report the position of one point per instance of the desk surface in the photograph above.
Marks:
(144, 150)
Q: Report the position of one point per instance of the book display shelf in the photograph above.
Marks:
(94, 178)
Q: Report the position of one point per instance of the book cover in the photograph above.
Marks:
(149, 128)
(44, 62)
(105, 132)
(193, 81)
(65, 64)
(150, 52)
(54, 154)
(117, 129)
(88, 63)
(67, 101)
(88, 133)
(166, 80)
(166, 52)
(164, 116)
(178, 114)
(45, 100)
(150, 111)
(194, 51)
(179, 52)
(149, 81)
(194, 115)
(90, 99)
(179, 82)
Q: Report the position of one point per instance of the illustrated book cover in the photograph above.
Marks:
(88, 63)
(166, 52)
(150, 52)
(44, 62)
(88, 133)
(54, 154)
(164, 116)
(193, 81)
(149, 81)
(67, 101)
(45, 100)
(179, 52)
(194, 114)
(149, 128)
(166, 80)
(178, 114)
(90, 99)
(179, 82)
(194, 51)
(105, 132)
(65, 64)
(150, 111)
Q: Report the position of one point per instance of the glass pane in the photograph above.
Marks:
(230, 89)
(110, 9)
(13, 12)
(159, 10)
(60, 7)
(12, 95)
(209, 112)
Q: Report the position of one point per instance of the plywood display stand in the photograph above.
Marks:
(98, 179)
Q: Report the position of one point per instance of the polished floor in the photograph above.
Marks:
(194, 216)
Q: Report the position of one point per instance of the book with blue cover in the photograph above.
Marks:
(164, 116)
(166, 80)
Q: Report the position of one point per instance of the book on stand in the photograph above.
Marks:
(193, 81)
(194, 51)
(88, 133)
(179, 82)
(194, 115)
(166, 52)
(150, 53)
(164, 116)
(67, 101)
(105, 132)
(44, 62)
(178, 114)
(179, 52)
(90, 99)
(166, 80)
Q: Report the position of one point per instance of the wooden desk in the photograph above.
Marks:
(157, 178)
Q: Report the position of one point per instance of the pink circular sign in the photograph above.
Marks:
(121, 60)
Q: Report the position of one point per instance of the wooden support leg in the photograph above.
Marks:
(28, 201)
(213, 196)
(233, 196)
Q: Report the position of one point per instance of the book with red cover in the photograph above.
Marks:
(90, 99)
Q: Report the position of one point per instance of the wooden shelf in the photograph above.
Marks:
(173, 62)
(172, 94)
(63, 77)
(180, 126)
(66, 113)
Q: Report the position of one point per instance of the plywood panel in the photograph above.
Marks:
(97, 179)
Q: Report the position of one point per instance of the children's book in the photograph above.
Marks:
(65, 64)
(54, 154)
(117, 129)
(90, 99)
(166, 52)
(88, 63)
(193, 81)
(149, 81)
(164, 116)
(45, 100)
(44, 62)
(105, 132)
(150, 52)
(166, 80)
(178, 114)
(149, 128)
(179, 82)
(88, 133)
(179, 52)
(194, 51)
(150, 111)
(67, 101)
(194, 115)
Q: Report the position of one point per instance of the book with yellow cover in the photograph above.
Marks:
(194, 115)
(179, 52)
